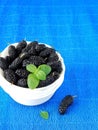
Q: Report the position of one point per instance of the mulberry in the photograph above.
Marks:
(10, 76)
(40, 47)
(29, 46)
(25, 62)
(16, 63)
(65, 103)
(46, 82)
(24, 55)
(22, 73)
(55, 75)
(22, 83)
(8, 59)
(36, 60)
(46, 52)
(56, 66)
(32, 51)
(12, 52)
(53, 57)
(3, 63)
(21, 45)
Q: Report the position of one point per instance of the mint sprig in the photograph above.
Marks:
(45, 68)
(32, 81)
(40, 75)
(37, 74)
(31, 68)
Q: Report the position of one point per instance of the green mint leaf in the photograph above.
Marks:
(32, 81)
(40, 75)
(31, 68)
(44, 114)
(45, 68)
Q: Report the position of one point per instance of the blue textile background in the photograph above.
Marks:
(71, 27)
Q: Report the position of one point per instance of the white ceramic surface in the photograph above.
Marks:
(30, 97)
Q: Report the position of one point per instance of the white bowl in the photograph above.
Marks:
(30, 97)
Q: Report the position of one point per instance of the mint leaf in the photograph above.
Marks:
(37, 74)
(40, 75)
(44, 114)
(31, 68)
(45, 68)
(32, 81)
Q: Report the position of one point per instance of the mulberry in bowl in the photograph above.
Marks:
(14, 60)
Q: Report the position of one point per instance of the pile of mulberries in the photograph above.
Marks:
(14, 64)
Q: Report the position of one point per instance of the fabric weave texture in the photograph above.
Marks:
(71, 27)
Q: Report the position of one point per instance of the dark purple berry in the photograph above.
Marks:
(53, 57)
(65, 103)
(16, 63)
(34, 43)
(12, 52)
(50, 79)
(29, 46)
(22, 73)
(46, 52)
(24, 55)
(3, 63)
(8, 59)
(21, 45)
(36, 60)
(22, 83)
(56, 66)
(32, 51)
(25, 62)
(55, 75)
(40, 47)
(10, 76)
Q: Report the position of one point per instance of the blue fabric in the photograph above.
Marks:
(71, 27)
